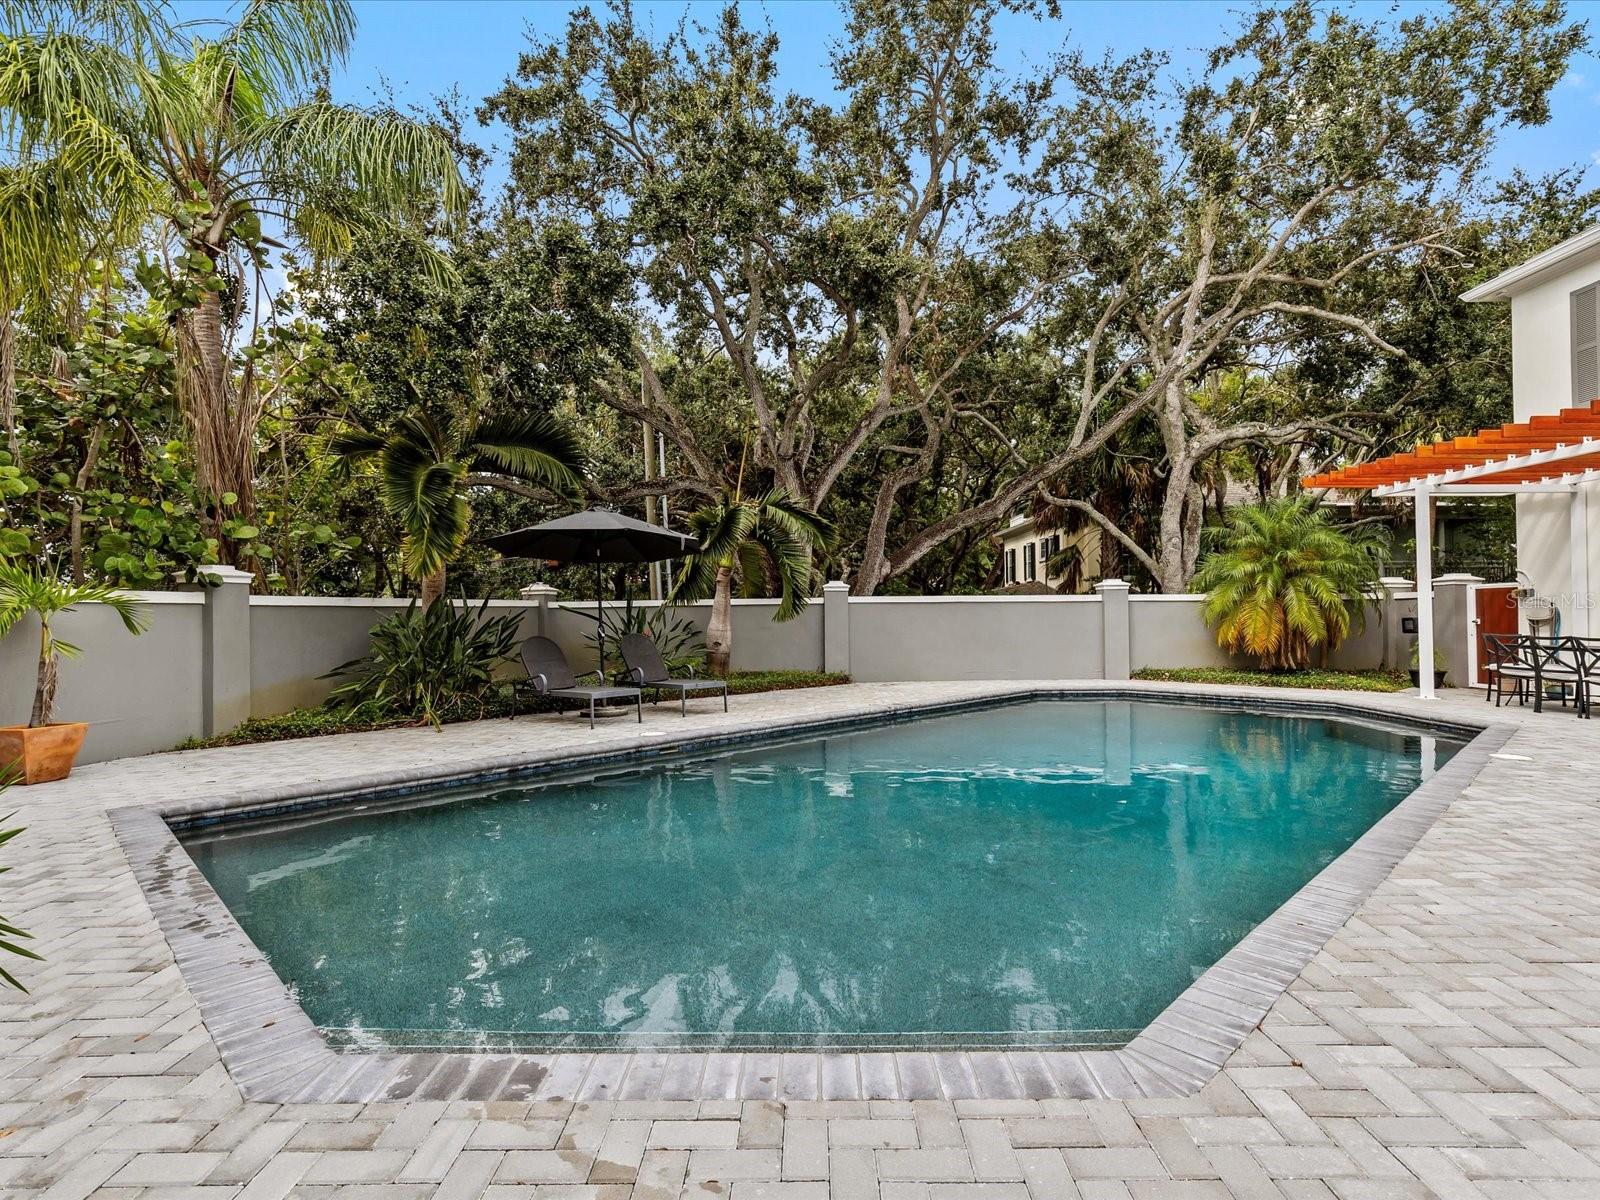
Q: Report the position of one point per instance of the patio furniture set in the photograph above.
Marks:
(1525, 665)
(551, 676)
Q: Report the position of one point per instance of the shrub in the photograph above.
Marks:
(681, 644)
(1282, 583)
(434, 663)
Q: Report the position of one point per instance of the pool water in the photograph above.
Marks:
(1049, 873)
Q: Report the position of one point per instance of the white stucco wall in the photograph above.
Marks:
(1541, 378)
(975, 637)
(138, 694)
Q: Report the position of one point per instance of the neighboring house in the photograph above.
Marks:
(1555, 364)
(1024, 553)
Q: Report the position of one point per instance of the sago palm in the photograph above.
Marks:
(763, 544)
(212, 135)
(427, 466)
(1281, 582)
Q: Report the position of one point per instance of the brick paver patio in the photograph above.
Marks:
(1445, 1042)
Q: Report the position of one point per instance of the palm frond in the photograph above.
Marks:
(424, 494)
(345, 169)
(532, 447)
(285, 46)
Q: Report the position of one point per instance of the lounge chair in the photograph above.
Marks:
(646, 670)
(550, 675)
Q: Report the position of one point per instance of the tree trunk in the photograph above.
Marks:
(719, 630)
(8, 383)
(44, 692)
(91, 456)
(432, 588)
(222, 422)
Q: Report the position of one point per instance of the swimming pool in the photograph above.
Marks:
(1047, 873)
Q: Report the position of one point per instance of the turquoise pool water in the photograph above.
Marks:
(1048, 873)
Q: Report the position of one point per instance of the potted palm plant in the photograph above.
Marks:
(44, 749)
(1440, 665)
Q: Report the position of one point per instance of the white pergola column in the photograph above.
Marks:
(1424, 515)
(1578, 610)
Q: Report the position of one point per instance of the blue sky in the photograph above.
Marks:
(422, 48)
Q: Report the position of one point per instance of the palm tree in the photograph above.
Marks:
(763, 543)
(427, 467)
(28, 588)
(214, 137)
(1281, 582)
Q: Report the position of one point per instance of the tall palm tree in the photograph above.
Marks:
(427, 467)
(1281, 582)
(214, 134)
(763, 544)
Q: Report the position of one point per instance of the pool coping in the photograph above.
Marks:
(275, 1053)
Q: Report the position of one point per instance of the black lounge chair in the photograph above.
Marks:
(647, 670)
(550, 675)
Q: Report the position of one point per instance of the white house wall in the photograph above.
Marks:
(1541, 379)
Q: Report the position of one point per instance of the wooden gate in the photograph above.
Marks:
(1494, 610)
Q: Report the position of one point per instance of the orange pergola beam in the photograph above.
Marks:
(1533, 436)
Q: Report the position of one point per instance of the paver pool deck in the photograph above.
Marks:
(1444, 1041)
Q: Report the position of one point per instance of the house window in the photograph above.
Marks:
(1029, 562)
(1011, 566)
(1586, 344)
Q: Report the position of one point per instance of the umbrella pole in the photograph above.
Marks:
(600, 618)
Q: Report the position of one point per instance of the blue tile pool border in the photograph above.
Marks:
(274, 1052)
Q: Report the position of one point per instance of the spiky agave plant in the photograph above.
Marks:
(762, 543)
(1282, 583)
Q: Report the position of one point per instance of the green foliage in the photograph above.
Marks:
(1281, 582)
(10, 935)
(428, 663)
(321, 722)
(307, 722)
(744, 683)
(1439, 660)
(679, 640)
(761, 543)
(105, 477)
(1338, 681)
(426, 465)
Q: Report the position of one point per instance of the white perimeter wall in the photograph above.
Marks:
(147, 693)
(975, 637)
(137, 693)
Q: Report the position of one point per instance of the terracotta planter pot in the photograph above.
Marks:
(41, 754)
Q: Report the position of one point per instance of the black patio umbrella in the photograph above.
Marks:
(598, 536)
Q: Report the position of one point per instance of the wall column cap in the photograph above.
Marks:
(836, 585)
(1113, 585)
(1457, 577)
(218, 575)
(535, 590)
(1395, 583)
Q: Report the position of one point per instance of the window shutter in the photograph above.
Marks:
(1586, 344)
